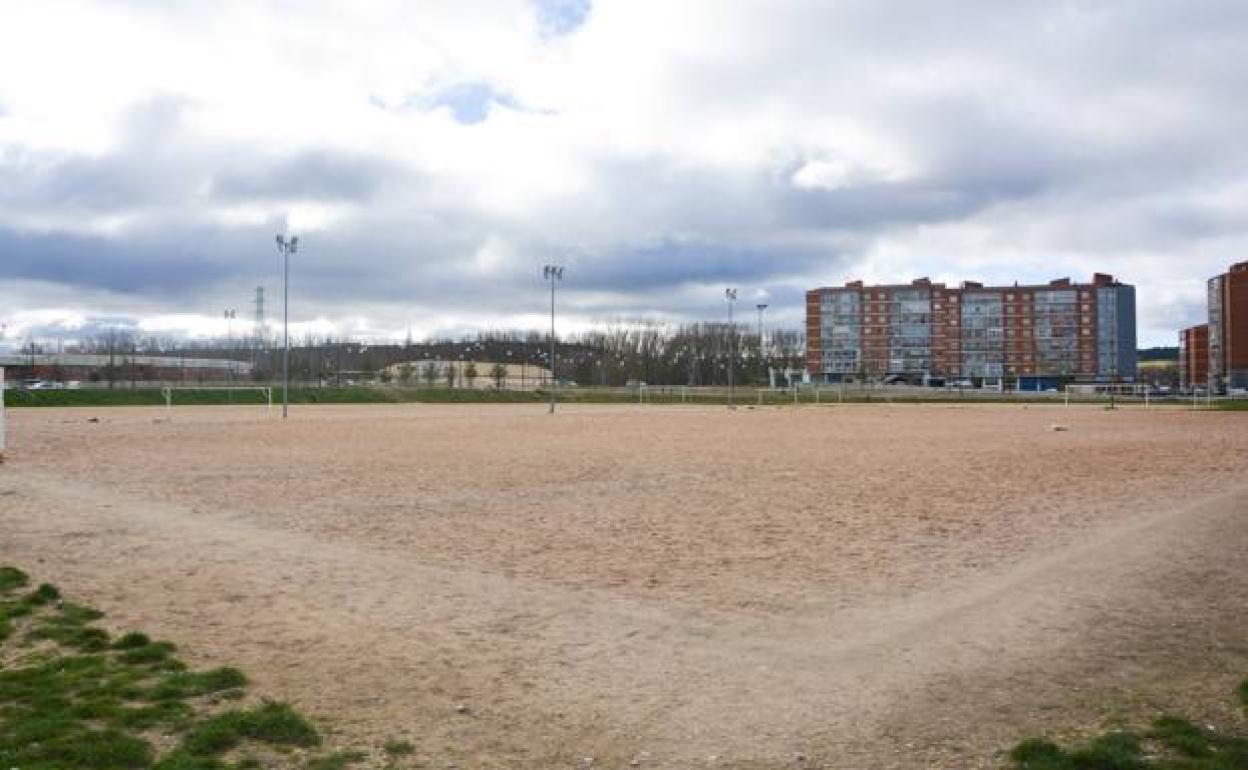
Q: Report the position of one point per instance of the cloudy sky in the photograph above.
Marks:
(433, 155)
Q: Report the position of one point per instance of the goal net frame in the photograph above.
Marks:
(266, 390)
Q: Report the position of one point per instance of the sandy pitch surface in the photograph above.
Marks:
(853, 586)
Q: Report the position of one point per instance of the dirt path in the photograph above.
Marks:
(388, 641)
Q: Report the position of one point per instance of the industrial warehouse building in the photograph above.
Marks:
(1030, 337)
(1228, 328)
(126, 368)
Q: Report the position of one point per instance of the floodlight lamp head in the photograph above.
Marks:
(730, 294)
(294, 244)
(281, 242)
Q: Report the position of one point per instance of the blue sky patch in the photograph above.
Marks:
(561, 17)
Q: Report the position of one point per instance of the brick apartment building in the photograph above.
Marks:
(1194, 357)
(1030, 336)
(1228, 328)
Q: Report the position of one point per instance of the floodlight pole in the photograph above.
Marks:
(286, 247)
(731, 296)
(552, 273)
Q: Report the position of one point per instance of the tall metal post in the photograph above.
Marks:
(731, 296)
(285, 333)
(552, 273)
(287, 247)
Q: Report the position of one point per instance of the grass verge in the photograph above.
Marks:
(1173, 743)
(745, 397)
(74, 698)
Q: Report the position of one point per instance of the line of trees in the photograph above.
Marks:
(614, 354)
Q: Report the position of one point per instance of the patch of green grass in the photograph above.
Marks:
(44, 594)
(86, 639)
(9, 612)
(85, 702)
(155, 652)
(131, 640)
(180, 761)
(76, 614)
(339, 760)
(398, 748)
(1173, 743)
(273, 723)
(12, 578)
(188, 684)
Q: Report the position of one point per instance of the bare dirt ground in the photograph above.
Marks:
(843, 587)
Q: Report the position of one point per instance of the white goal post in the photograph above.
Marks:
(2, 426)
(266, 391)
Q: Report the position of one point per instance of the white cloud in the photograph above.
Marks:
(436, 154)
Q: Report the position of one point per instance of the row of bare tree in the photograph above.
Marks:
(613, 354)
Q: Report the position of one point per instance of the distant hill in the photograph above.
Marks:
(1158, 354)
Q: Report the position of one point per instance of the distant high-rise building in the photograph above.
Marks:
(1031, 335)
(1194, 357)
(1228, 328)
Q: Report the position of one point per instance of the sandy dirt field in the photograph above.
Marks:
(838, 586)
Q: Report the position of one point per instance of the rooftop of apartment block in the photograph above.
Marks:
(1098, 280)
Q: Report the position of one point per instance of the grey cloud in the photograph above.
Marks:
(160, 163)
(672, 263)
(172, 268)
(151, 165)
(321, 175)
